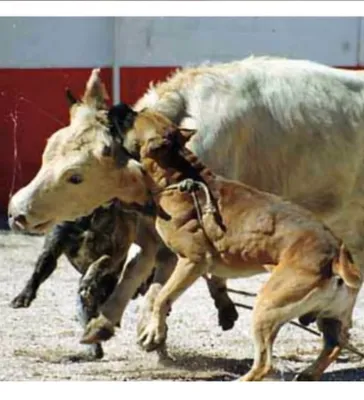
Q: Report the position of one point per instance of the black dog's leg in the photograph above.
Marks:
(95, 287)
(85, 313)
(88, 308)
(54, 246)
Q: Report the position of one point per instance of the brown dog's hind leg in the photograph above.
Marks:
(265, 330)
(286, 295)
(331, 329)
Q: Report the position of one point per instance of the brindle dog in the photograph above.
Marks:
(94, 246)
(97, 246)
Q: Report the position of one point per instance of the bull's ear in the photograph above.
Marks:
(185, 135)
(71, 99)
(95, 93)
(156, 146)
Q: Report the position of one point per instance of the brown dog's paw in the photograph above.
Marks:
(153, 336)
(98, 330)
(227, 317)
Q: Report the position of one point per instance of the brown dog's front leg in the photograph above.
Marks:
(165, 263)
(183, 276)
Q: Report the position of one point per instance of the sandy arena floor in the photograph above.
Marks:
(36, 342)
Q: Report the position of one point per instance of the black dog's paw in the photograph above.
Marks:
(23, 300)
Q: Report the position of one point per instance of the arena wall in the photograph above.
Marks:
(40, 57)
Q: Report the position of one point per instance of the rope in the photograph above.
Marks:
(242, 292)
(191, 186)
(347, 346)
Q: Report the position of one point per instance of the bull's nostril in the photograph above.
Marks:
(20, 220)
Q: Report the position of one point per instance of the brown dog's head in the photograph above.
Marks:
(167, 144)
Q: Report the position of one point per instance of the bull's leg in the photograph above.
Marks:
(332, 345)
(88, 287)
(184, 275)
(88, 305)
(137, 269)
(54, 246)
(227, 313)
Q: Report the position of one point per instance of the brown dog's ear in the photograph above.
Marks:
(156, 146)
(116, 151)
(185, 135)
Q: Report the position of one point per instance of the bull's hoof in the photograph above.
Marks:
(96, 352)
(304, 377)
(23, 300)
(227, 317)
(97, 330)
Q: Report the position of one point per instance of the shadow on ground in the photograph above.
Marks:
(350, 374)
(221, 368)
(231, 368)
(180, 366)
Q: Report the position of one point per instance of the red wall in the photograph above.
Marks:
(35, 99)
(33, 106)
(135, 80)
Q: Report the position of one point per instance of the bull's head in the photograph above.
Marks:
(79, 172)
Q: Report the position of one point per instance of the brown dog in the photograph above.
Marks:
(240, 231)
(229, 229)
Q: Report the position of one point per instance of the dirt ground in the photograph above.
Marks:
(36, 342)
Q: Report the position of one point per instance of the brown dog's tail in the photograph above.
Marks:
(344, 266)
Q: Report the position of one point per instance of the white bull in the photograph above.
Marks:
(290, 127)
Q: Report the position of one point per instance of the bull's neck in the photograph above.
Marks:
(182, 164)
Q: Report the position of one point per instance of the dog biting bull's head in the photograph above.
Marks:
(78, 171)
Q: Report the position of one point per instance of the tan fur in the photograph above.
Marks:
(257, 228)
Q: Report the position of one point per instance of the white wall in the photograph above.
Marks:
(56, 42)
(86, 42)
(178, 41)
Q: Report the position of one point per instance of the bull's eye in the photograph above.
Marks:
(75, 179)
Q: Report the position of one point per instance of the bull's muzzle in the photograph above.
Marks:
(21, 220)
(17, 222)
